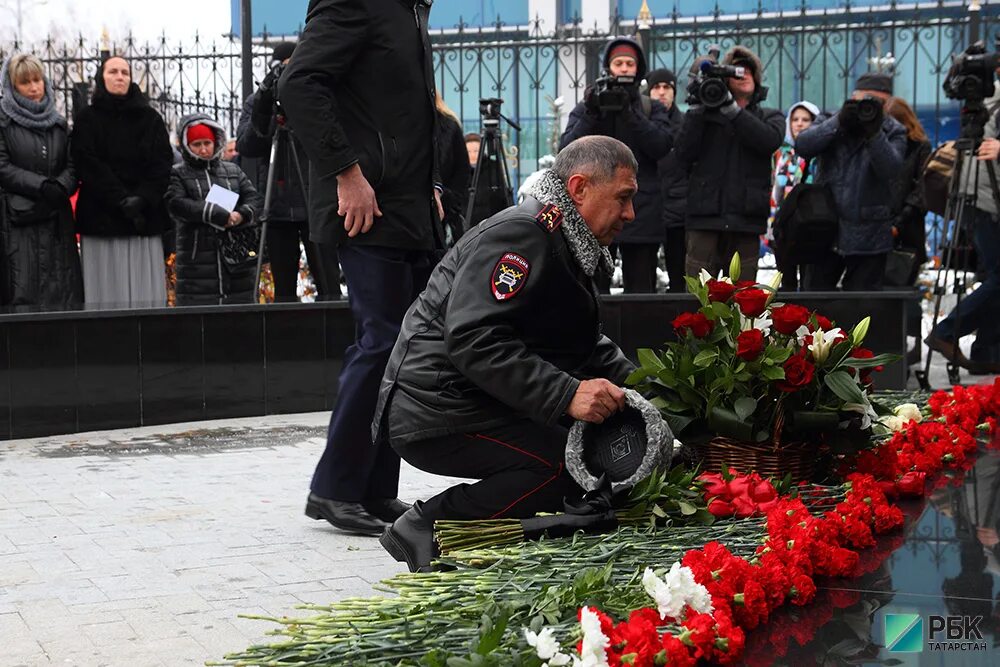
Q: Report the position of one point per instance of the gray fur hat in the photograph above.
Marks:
(659, 445)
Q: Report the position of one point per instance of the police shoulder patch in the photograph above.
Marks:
(509, 276)
(549, 218)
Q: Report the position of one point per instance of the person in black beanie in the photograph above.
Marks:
(662, 85)
(288, 211)
(860, 159)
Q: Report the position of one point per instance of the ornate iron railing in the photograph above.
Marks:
(542, 72)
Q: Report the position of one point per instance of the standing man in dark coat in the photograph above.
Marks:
(662, 85)
(288, 221)
(644, 126)
(727, 152)
(359, 92)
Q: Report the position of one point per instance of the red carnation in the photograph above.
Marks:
(751, 301)
(788, 318)
(719, 290)
(798, 374)
(696, 323)
(912, 483)
(749, 344)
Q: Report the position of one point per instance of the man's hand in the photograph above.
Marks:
(234, 219)
(989, 150)
(595, 401)
(440, 206)
(356, 201)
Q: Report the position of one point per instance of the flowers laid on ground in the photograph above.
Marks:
(729, 494)
(749, 568)
(744, 366)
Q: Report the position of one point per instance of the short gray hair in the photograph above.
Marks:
(596, 156)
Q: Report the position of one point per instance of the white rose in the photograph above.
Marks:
(909, 412)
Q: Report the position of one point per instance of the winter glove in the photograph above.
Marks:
(729, 107)
(52, 193)
(131, 206)
(848, 116)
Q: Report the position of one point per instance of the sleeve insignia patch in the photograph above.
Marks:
(509, 276)
(549, 218)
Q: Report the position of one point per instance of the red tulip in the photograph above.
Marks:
(743, 506)
(763, 491)
(740, 486)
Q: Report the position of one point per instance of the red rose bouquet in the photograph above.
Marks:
(741, 360)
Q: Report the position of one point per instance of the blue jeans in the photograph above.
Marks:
(381, 283)
(979, 311)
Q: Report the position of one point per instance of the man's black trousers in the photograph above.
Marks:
(381, 283)
(520, 467)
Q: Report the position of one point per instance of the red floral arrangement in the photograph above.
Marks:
(741, 360)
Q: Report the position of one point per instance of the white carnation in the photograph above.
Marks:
(677, 591)
(592, 649)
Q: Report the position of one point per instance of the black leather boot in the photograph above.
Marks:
(386, 509)
(347, 516)
(411, 539)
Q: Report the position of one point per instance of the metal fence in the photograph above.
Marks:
(541, 73)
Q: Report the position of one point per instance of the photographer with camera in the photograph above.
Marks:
(726, 145)
(613, 107)
(288, 217)
(980, 310)
(859, 154)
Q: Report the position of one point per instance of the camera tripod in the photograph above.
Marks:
(492, 158)
(281, 133)
(959, 210)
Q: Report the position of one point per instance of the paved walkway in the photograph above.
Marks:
(140, 547)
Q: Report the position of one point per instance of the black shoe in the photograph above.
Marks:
(411, 540)
(350, 517)
(386, 509)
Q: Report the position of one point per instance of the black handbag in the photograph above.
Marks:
(239, 245)
(900, 267)
(806, 224)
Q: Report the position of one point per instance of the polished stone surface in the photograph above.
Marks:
(945, 563)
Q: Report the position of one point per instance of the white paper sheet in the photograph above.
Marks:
(223, 197)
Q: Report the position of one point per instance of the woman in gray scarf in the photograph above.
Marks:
(39, 262)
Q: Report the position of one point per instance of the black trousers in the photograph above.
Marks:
(639, 261)
(382, 283)
(520, 468)
(675, 254)
(283, 252)
(861, 273)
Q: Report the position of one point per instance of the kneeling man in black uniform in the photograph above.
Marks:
(503, 349)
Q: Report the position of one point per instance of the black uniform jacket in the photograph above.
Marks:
(359, 89)
(506, 329)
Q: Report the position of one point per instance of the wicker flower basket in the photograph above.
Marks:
(769, 459)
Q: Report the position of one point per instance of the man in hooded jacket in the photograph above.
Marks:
(644, 126)
(727, 151)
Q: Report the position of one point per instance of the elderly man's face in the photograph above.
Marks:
(605, 207)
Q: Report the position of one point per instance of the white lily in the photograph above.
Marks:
(774, 285)
(763, 323)
(822, 343)
(704, 276)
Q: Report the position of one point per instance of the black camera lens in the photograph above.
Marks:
(713, 93)
(869, 109)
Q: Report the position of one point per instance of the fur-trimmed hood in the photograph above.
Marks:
(738, 53)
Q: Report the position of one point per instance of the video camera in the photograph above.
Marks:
(971, 77)
(613, 92)
(865, 110)
(489, 108)
(709, 87)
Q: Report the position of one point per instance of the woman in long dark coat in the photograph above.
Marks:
(39, 263)
(122, 155)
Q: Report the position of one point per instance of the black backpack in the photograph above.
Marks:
(805, 226)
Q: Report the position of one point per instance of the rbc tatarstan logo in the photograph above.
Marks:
(904, 633)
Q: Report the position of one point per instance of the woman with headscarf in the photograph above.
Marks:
(39, 264)
(123, 158)
(788, 171)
